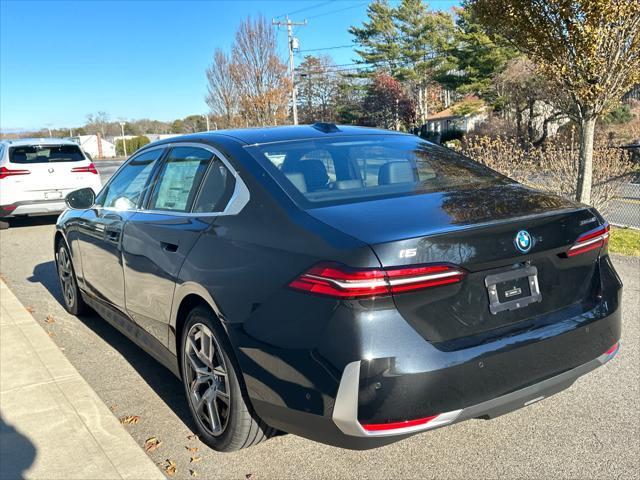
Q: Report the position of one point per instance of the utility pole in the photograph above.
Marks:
(206, 117)
(124, 142)
(291, 42)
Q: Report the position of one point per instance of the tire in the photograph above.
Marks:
(210, 377)
(72, 298)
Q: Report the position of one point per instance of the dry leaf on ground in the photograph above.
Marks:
(248, 476)
(151, 444)
(129, 419)
(193, 473)
(30, 309)
(192, 437)
(192, 449)
(171, 468)
(50, 333)
(50, 319)
(195, 459)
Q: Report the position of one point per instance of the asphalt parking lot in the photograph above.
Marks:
(589, 431)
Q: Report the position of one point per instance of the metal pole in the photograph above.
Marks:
(294, 102)
(206, 117)
(124, 142)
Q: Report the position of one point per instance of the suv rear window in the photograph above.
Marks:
(359, 168)
(45, 154)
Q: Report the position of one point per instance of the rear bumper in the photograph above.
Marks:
(345, 412)
(32, 207)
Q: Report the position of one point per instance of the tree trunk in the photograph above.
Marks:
(585, 159)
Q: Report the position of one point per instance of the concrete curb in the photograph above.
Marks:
(52, 423)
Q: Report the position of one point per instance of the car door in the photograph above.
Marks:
(192, 183)
(100, 228)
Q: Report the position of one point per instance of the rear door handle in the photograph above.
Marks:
(169, 247)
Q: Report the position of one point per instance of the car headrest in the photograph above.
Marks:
(347, 184)
(315, 174)
(396, 172)
(298, 181)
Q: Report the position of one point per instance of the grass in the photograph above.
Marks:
(625, 241)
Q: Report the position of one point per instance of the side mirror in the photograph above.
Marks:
(81, 199)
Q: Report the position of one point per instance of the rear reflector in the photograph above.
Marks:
(612, 350)
(592, 240)
(88, 169)
(5, 172)
(336, 280)
(377, 427)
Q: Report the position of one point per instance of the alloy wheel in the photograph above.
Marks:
(207, 380)
(65, 272)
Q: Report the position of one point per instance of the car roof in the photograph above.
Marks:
(263, 135)
(21, 142)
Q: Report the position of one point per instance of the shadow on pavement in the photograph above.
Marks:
(162, 381)
(17, 453)
(20, 222)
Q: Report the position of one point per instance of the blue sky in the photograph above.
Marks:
(60, 60)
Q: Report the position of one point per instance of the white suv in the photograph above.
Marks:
(37, 174)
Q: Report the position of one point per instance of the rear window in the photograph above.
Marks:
(45, 154)
(352, 169)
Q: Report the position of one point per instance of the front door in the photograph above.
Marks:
(100, 229)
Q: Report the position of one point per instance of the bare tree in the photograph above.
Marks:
(222, 96)
(97, 123)
(259, 75)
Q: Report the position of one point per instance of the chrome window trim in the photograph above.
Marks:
(239, 198)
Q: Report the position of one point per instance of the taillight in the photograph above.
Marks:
(5, 172)
(88, 169)
(336, 280)
(592, 240)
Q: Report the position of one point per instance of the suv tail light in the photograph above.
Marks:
(336, 280)
(91, 168)
(593, 239)
(5, 172)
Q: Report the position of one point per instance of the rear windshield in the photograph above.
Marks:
(45, 154)
(352, 169)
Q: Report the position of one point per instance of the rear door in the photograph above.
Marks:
(191, 188)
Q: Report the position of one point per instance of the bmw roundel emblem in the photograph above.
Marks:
(523, 241)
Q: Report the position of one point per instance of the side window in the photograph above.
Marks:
(126, 190)
(216, 190)
(178, 182)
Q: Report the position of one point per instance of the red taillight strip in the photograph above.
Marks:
(343, 282)
(376, 427)
(613, 349)
(592, 240)
(5, 172)
(91, 168)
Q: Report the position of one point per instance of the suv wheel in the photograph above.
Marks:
(224, 420)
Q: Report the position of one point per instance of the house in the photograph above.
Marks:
(95, 146)
(455, 118)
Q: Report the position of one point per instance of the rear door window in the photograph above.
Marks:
(31, 154)
(179, 179)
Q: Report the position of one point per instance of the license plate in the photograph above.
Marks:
(52, 195)
(513, 289)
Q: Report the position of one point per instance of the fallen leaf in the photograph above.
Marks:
(30, 309)
(192, 437)
(113, 408)
(193, 473)
(171, 468)
(151, 444)
(130, 419)
(195, 459)
(248, 476)
(192, 449)
(50, 319)
(50, 333)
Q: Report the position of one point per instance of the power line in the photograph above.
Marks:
(325, 48)
(337, 11)
(305, 8)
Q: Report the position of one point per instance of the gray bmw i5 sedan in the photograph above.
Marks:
(353, 286)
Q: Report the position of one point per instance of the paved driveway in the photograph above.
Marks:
(589, 431)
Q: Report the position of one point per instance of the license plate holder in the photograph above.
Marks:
(53, 195)
(513, 289)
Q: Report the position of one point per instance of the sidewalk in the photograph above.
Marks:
(52, 424)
